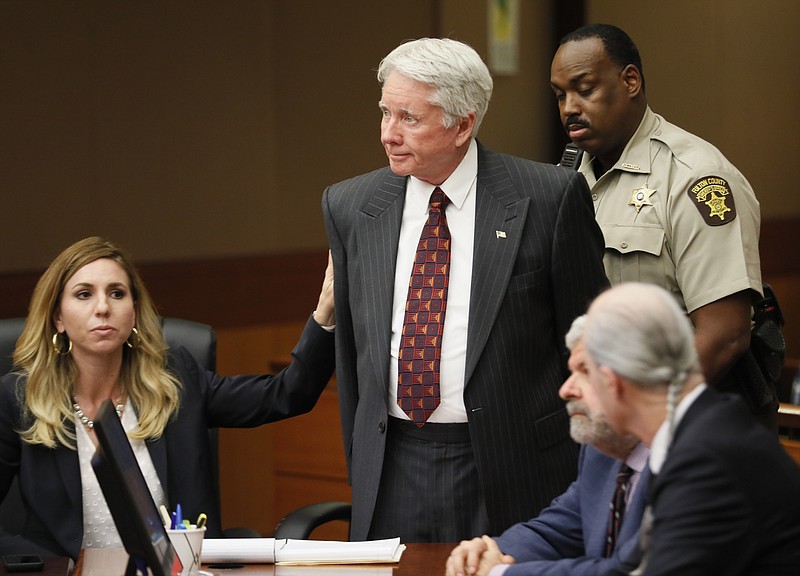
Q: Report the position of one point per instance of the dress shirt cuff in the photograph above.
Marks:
(499, 569)
(330, 328)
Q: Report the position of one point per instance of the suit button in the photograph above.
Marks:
(381, 427)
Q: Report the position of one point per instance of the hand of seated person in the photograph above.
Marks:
(475, 557)
(491, 557)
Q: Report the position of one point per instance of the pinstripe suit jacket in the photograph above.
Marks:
(526, 290)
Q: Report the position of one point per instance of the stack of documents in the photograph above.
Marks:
(283, 551)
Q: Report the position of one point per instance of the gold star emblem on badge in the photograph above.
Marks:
(641, 197)
(717, 206)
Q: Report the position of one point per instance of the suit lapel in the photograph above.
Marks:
(158, 454)
(378, 234)
(700, 404)
(68, 464)
(500, 213)
(706, 398)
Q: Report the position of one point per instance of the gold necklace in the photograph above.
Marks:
(119, 407)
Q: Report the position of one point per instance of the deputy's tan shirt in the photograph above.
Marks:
(675, 212)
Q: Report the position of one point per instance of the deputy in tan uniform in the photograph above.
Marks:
(674, 211)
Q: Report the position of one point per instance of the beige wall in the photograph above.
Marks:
(209, 128)
(150, 122)
(726, 70)
(199, 129)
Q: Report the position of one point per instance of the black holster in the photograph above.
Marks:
(756, 372)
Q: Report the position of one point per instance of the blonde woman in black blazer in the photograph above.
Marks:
(92, 334)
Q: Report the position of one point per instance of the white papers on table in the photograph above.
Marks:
(270, 550)
(228, 550)
(330, 552)
(333, 570)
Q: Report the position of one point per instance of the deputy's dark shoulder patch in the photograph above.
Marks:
(713, 198)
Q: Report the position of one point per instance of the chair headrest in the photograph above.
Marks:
(10, 329)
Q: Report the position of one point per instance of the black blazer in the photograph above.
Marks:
(527, 287)
(50, 480)
(727, 500)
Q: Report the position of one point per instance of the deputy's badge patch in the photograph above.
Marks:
(641, 197)
(713, 198)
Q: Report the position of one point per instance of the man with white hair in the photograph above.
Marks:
(458, 271)
(714, 510)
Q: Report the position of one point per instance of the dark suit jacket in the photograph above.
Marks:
(50, 479)
(727, 500)
(569, 537)
(526, 290)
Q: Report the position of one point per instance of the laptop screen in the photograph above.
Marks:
(132, 507)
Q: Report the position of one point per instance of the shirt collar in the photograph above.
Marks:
(456, 187)
(635, 156)
(661, 441)
(637, 459)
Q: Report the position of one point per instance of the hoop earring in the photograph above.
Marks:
(136, 338)
(57, 347)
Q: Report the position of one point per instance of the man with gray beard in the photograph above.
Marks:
(582, 532)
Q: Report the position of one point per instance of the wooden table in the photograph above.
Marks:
(417, 560)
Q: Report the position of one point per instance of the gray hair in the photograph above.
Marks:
(575, 331)
(640, 332)
(461, 79)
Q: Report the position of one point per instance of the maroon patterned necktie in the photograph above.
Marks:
(617, 507)
(421, 341)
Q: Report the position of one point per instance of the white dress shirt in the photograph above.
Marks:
(460, 213)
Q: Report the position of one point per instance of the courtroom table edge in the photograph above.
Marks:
(417, 560)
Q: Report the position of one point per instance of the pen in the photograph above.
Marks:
(179, 518)
(173, 521)
(201, 520)
(165, 517)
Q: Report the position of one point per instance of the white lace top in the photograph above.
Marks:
(99, 530)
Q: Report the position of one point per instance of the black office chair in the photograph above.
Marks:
(10, 329)
(201, 342)
(12, 511)
(299, 523)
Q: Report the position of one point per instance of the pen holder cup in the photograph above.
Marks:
(188, 545)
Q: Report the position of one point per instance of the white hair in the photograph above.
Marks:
(575, 332)
(641, 333)
(461, 79)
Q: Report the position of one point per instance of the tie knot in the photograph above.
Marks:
(439, 199)
(625, 473)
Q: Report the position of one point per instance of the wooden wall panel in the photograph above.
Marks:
(311, 444)
(294, 491)
(268, 471)
(247, 480)
(792, 447)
